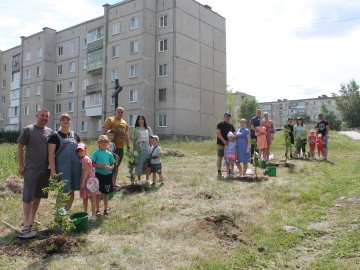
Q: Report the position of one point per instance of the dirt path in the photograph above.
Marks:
(352, 134)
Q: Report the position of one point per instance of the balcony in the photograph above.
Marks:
(97, 44)
(93, 111)
(93, 88)
(15, 66)
(94, 68)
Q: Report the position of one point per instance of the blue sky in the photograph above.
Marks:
(275, 48)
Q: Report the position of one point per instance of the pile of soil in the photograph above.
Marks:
(172, 153)
(12, 184)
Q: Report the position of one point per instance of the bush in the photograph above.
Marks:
(9, 136)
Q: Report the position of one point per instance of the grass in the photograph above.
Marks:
(165, 228)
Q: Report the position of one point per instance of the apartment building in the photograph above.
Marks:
(168, 55)
(280, 110)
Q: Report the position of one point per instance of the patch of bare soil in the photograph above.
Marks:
(281, 165)
(348, 202)
(251, 178)
(172, 153)
(12, 184)
(204, 195)
(46, 244)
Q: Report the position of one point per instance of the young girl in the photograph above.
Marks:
(87, 175)
(111, 147)
(103, 162)
(312, 143)
(320, 147)
(230, 154)
(261, 140)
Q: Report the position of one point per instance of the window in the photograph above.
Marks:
(2, 116)
(84, 84)
(83, 126)
(115, 51)
(134, 46)
(27, 74)
(93, 100)
(116, 28)
(27, 92)
(59, 69)
(132, 120)
(56, 126)
(26, 110)
(162, 70)
(27, 56)
(83, 105)
(85, 43)
(72, 46)
(95, 34)
(99, 125)
(114, 74)
(3, 83)
(133, 95)
(59, 89)
(71, 107)
(15, 60)
(84, 64)
(38, 71)
(4, 67)
(2, 99)
(163, 21)
(37, 108)
(134, 23)
(14, 111)
(163, 45)
(14, 94)
(39, 52)
(133, 71)
(60, 50)
(71, 87)
(72, 66)
(162, 120)
(162, 94)
(38, 90)
(57, 108)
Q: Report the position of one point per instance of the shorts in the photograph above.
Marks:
(105, 183)
(156, 168)
(120, 153)
(34, 182)
(220, 150)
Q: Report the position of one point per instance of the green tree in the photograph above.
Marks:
(348, 103)
(231, 105)
(331, 117)
(247, 109)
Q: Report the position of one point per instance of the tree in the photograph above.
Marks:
(348, 103)
(247, 109)
(331, 117)
(231, 105)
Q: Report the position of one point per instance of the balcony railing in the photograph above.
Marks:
(97, 44)
(93, 88)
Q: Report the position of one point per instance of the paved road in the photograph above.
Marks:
(352, 134)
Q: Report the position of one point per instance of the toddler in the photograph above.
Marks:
(230, 154)
(87, 178)
(312, 143)
(154, 161)
(320, 147)
(103, 162)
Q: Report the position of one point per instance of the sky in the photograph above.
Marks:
(275, 48)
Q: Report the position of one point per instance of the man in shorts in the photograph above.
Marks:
(34, 169)
(323, 128)
(222, 129)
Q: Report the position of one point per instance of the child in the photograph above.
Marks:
(320, 147)
(261, 141)
(290, 129)
(230, 154)
(111, 147)
(87, 174)
(103, 162)
(312, 143)
(154, 161)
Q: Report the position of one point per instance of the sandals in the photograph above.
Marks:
(106, 211)
(97, 212)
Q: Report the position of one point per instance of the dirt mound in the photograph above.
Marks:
(12, 184)
(204, 195)
(172, 153)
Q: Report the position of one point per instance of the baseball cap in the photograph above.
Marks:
(81, 146)
(227, 114)
(155, 137)
(103, 138)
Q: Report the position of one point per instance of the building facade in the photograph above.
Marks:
(168, 55)
(280, 110)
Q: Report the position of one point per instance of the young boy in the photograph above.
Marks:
(103, 162)
(154, 161)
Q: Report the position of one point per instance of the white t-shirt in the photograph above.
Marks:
(156, 152)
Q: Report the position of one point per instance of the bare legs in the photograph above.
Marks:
(30, 210)
(242, 168)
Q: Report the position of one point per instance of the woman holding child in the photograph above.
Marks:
(142, 145)
(243, 142)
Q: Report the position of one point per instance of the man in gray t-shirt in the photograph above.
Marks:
(35, 168)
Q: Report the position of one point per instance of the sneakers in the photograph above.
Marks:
(27, 232)
(97, 212)
(106, 211)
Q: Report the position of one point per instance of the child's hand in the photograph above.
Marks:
(109, 168)
(82, 186)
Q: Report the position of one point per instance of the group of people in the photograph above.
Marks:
(61, 155)
(238, 146)
(299, 138)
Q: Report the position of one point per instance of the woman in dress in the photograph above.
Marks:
(63, 159)
(270, 130)
(243, 142)
(142, 145)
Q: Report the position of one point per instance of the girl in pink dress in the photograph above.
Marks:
(270, 130)
(89, 185)
(261, 141)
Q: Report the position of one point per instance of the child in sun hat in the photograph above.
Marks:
(103, 162)
(154, 161)
(89, 185)
(312, 143)
(230, 154)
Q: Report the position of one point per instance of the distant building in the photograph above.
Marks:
(239, 96)
(169, 56)
(280, 110)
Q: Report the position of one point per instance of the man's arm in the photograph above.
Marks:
(327, 130)
(20, 157)
(218, 134)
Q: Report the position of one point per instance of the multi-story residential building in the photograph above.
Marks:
(169, 57)
(280, 110)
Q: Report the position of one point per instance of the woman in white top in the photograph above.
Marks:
(142, 141)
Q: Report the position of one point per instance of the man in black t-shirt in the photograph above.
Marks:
(222, 129)
(323, 128)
